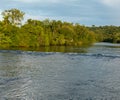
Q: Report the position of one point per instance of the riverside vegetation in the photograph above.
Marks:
(36, 33)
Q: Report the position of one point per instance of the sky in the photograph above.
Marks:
(84, 12)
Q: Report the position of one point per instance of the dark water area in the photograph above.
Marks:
(64, 49)
(72, 73)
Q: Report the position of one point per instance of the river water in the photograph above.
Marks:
(80, 74)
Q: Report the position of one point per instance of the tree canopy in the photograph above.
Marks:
(107, 33)
(37, 33)
(13, 16)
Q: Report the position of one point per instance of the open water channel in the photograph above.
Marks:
(78, 74)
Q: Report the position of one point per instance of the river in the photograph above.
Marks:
(91, 73)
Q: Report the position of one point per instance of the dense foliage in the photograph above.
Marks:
(36, 33)
(107, 33)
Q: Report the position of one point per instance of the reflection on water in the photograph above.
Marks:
(33, 75)
(82, 49)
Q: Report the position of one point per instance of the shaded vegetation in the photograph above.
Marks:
(107, 33)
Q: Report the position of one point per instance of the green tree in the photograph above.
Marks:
(13, 16)
(116, 38)
(5, 41)
(36, 33)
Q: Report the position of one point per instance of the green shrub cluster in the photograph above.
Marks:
(107, 33)
(36, 33)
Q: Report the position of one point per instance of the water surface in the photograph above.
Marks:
(81, 74)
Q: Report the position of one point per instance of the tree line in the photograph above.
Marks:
(106, 33)
(36, 33)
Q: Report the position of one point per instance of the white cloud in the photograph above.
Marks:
(28, 16)
(38, 1)
(26, 1)
(80, 11)
(81, 20)
(46, 1)
(111, 3)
